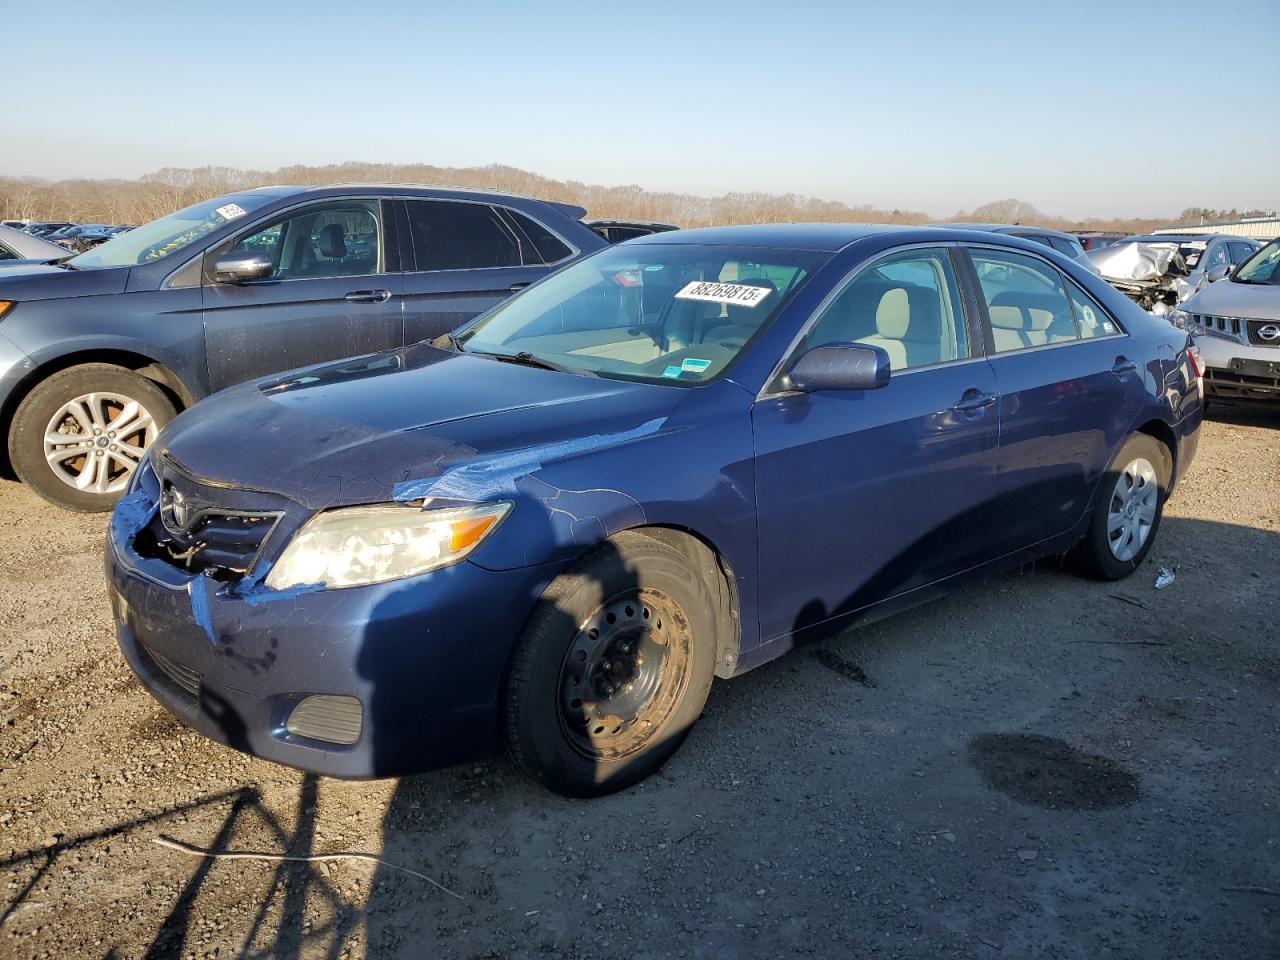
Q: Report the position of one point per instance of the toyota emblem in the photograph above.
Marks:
(1269, 332)
(175, 513)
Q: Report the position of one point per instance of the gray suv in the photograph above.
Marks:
(1236, 323)
(99, 351)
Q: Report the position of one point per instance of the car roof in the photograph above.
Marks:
(1006, 228)
(1179, 237)
(827, 237)
(445, 193)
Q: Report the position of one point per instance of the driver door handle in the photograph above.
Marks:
(368, 296)
(977, 402)
(518, 286)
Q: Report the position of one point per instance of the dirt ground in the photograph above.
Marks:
(1040, 766)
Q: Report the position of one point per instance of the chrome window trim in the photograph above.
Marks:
(267, 220)
(575, 251)
(767, 394)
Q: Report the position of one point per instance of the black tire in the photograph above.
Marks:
(33, 416)
(661, 607)
(1095, 554)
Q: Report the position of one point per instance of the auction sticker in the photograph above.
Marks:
(230, 211)
(738, 294)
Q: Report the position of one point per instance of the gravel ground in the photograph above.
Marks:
(1040, 766)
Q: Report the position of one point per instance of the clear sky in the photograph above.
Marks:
(1120, 108)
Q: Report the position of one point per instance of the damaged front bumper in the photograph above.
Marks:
(381, 680)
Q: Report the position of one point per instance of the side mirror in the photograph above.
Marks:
(242, 267)
(841, 366)
(1217, 273)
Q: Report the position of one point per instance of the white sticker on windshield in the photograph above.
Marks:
(230, 211)
(738, 294)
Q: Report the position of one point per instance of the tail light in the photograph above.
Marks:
(1193, 360)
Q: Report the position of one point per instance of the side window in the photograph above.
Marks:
(323, 240)
(1026, 300)
(1091, 319)
(1217, 256)
(1039, 238)
(1240, 252)
(907, 303)
(456, 235)
(547, 247)
(1064, 247)
(6, 253)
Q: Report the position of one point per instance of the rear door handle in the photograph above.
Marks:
(977, 402)
(368, 296)
(1124, 366)
(518, 286)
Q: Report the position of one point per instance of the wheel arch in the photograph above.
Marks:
(1163, 434)
(154, 370)
(710, 563)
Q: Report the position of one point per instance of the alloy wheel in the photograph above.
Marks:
(95, 441)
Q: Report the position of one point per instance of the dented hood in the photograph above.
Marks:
(384, 427)
(1138, 260)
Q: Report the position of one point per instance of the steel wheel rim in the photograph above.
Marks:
(624, 675)
(1132, 510)
(94, 442)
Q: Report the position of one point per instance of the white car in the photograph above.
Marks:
(1236, 324)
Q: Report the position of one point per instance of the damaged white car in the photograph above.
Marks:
(1160, 271)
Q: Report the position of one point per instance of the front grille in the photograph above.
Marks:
(1226, 326)
(1255, 328)
(185, 678)
(203, 528)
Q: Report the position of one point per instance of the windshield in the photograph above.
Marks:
(159, 238)
(1263, 267)
(664, 313)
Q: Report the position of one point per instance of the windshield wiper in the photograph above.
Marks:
(529, 360)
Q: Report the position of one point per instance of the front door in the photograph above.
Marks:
(330, 294)
(864, 495)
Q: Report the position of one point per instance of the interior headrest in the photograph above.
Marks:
(332, 242)
(909, 312)
(1034, 311)
(1007, 318)
(741, 309)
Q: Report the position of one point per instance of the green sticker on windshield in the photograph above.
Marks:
(672, 372)
(694, 365)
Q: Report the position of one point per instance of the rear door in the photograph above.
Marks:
(468, 256)
(333, 292)
(1069, 388)
(865, 494)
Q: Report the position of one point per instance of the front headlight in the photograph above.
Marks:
(1179, 318)
(359, 545)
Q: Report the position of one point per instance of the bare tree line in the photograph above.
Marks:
(168, 189)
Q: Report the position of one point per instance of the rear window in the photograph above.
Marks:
(547, 247)
(455, 235)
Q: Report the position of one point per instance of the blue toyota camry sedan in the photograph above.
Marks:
(672, 461)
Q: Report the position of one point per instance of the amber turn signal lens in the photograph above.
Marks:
(464, 533)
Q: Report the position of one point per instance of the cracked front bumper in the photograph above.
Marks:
(423, 656)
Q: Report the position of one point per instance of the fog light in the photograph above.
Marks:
(329, 718)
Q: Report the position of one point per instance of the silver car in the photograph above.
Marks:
(1236, 324)
(19, 247)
